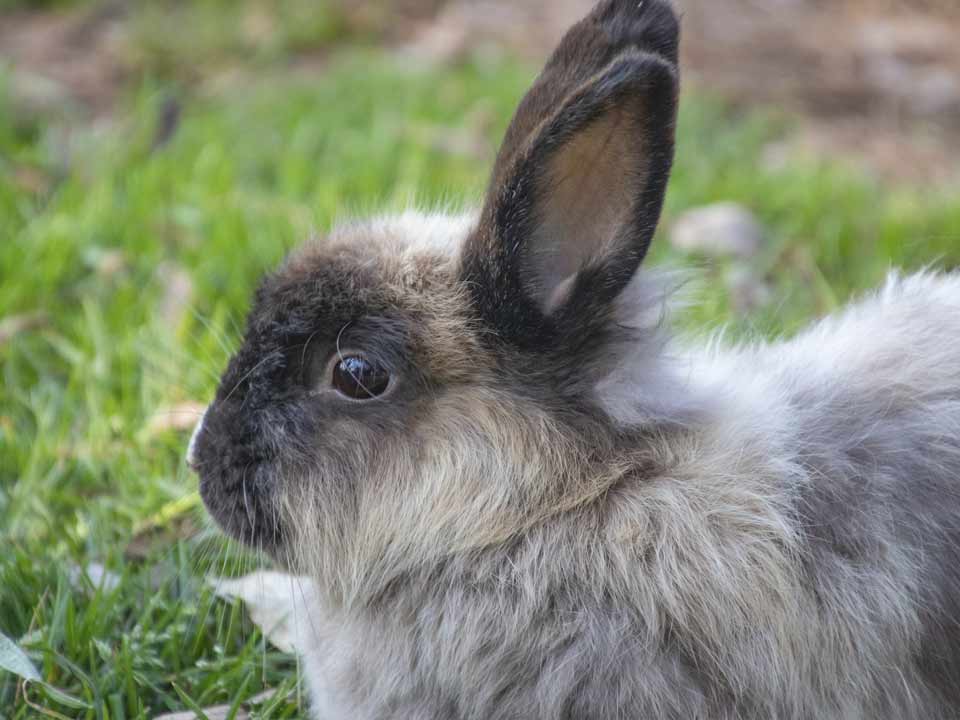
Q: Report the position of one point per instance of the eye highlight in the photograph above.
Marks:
(359, 378)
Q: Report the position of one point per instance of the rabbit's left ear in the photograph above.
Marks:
(579, 183)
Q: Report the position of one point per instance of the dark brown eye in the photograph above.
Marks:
(359, 378)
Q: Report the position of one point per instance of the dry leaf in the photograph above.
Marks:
(717, 230)
(219, 712)
(177, 295)
(181, 417)
(215, 712)
(110, 263)
(31, 179)
(150, 539)
(16, 324)
(175, 520)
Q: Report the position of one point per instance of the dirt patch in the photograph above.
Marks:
(69, 58)
(877, 81)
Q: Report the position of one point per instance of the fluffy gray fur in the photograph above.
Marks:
(747, 533)
(788, 548)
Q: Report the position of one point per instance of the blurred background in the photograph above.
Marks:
(875, 78)
(157, 156)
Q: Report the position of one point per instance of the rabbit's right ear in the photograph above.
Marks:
(578, 184)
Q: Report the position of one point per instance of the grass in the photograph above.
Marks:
(141, 259)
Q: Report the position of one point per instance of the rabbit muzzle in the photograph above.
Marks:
(238, 473)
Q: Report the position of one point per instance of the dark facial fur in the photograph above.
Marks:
(276, 412)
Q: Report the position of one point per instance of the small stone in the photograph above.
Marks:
(96, 574)
(748, 291)
(717, 230)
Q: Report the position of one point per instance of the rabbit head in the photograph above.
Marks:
(425, 385)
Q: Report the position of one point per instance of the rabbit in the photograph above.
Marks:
(518, 495)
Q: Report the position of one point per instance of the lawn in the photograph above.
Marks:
(125, 274)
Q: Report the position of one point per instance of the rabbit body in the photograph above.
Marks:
(518, 497)
(791, 550)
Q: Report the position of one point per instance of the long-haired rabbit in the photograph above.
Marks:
(519, 498)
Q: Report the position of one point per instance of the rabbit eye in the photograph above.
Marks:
(358, 378)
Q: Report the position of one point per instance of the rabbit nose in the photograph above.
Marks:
(192, 446)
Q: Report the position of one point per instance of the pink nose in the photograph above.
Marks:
(191, 459)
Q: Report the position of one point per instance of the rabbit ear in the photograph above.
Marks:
(578, 185)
